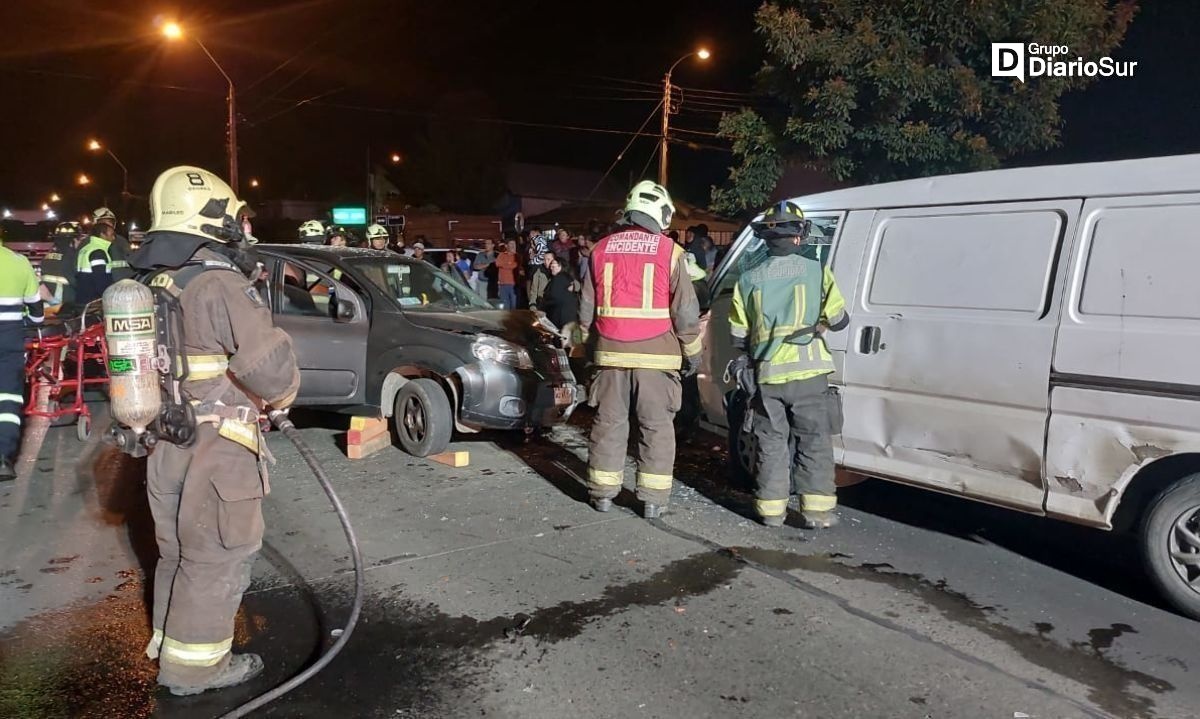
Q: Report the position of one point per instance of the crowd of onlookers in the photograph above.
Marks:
(541, 269)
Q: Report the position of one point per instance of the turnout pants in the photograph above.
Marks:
(793, 410)
(655, 397)
(12, 387)
(207, 507)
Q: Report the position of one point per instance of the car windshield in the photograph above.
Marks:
(418, 285)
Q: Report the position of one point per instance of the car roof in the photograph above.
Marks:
(328, 251)
(1152, 175)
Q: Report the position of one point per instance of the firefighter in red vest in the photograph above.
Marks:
(640, 310)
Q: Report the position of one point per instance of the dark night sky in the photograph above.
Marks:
(70, 69)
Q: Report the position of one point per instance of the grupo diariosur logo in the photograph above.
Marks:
(1026, 60)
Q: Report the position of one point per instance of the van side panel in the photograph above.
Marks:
(1125, 390)
(952, 330)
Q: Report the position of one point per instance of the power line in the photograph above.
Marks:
(719, 92)
(646, 168)
(625, 149)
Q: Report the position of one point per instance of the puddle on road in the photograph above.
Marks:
(404, 660)
(1109, 682)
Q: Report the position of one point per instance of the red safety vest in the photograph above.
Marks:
(631, 271)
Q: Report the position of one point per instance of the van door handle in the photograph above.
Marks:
(869, 340)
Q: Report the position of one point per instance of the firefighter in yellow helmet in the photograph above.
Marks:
(377, 237)
(639, 310)
(782, 308)
(206, 498)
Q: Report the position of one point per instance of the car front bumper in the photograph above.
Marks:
(497, 396)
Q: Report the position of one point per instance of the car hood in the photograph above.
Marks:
(519, 326)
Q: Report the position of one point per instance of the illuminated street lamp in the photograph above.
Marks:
(54, 197)
(83, 180)
(173, 31)
(701, 53)
(95, 146)
(397, 158)
(45, 207)
(254, 182)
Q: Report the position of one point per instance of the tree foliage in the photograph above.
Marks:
(874, 91)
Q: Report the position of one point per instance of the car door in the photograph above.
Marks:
(329, 336)
(952, 329)
(747, 251)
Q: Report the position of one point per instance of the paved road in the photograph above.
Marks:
(496, 591)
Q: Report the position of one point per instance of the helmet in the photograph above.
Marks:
(66, 229)
(193, 201)
(651, 200)
(337, 231)
(782, 220)
(103, 214)
(312, 229)
(377, 231)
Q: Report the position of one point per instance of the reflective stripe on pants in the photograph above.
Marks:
(655, 396)
(782, 411)
(207, 505)
(12, 387)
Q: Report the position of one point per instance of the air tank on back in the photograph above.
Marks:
(129, 328)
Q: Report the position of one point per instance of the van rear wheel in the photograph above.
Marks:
(1170, 544)
(423, 418)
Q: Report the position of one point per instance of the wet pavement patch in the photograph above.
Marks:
(1109, 683)
(404, 659)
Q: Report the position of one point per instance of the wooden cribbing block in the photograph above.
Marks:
(371, 446)
(364, 429)
(452, 459)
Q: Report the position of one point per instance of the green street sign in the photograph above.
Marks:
(349, 215)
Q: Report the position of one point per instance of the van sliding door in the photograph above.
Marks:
(948, 364)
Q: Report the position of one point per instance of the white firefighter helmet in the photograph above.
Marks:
(312, 229)
(653, 201)
(103, 214)
(193, 201)
(377, 231)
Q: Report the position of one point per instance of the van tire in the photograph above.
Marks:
(1178, 504)
(422, 418)
(743, 448)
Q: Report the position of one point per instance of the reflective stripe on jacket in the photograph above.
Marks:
(19, 295)
(639, 302)
(773, 303)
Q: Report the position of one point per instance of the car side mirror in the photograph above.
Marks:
(345, 310)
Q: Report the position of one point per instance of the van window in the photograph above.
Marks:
(980, 261)
(1142, 262)
(824, 230)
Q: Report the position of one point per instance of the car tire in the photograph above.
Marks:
(1171, 517)
(422, 418)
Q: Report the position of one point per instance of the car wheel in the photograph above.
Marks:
(743, 446)
(1170, 544)
(422, 418)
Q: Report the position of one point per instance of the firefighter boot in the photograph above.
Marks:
(653, 511)
(241, 668)
(601, 504)
(7, 473)
(773, 520)
(819, 520)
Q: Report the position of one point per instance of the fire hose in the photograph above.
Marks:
(283, 424)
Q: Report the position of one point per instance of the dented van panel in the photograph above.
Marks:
(1100, 440)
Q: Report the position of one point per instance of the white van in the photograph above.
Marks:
(1028, 338)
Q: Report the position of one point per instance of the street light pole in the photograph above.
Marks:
(703, 54)
(231, 136)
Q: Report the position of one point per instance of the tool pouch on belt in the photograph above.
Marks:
(833, 410)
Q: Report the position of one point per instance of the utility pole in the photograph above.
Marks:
(666, 127)
(703, 54)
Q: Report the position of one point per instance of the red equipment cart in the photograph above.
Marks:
(67, 357)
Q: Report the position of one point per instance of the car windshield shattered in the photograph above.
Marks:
(421, 286)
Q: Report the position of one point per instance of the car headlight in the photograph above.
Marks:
(502, 351)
